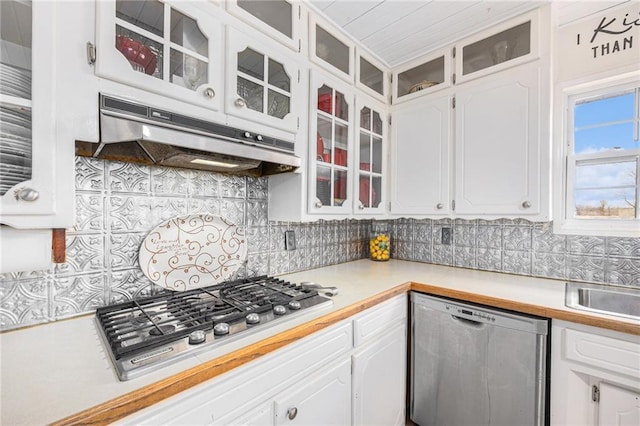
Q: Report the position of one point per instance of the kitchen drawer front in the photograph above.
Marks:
(378, 320)
(618, 356)
(241, 390)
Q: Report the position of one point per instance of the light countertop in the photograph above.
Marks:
(52, 371)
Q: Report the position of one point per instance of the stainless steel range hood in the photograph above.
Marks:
(142, 134)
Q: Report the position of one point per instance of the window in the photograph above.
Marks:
(602, 173)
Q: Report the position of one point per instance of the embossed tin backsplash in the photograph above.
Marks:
(117, 204)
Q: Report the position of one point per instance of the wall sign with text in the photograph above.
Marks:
(607, 40)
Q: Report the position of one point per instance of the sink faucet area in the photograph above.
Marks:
(605, 299)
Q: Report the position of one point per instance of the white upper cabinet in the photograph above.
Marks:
(371, 76)
(421, 144)
(36, 166)
(371, 154)
(509, 44)
(422, 76)
(330, 145)
(499, 144)
(262, 83)
(173, 48)
(492, 116)
(280, 19)
(330, 49)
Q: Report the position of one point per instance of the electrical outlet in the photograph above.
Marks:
(289, 240)
(445, 237)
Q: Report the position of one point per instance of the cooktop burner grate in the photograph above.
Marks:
(151, 330)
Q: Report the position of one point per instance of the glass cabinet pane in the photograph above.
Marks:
(251, 63)
(498, 48)
(187, 71)
(141, 38)
(185, 33)
(262, 79)
(278, 14)
(144, 55)
(146, 15)
(371, 76)
(421, 77)
(15, 87)
(370, 157)
(332, 50)
(278, 76)
(332, 147)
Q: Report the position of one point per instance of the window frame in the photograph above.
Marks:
(565, 163)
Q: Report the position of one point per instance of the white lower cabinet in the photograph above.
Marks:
(310, 382)
(618, 406)
(595, 376)
(323, 399)
(379, 380)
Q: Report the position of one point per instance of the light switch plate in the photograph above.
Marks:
(289, 240)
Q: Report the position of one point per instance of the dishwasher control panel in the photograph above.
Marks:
(466, 312)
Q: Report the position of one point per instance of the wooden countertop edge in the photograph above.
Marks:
(558, 314)
(131, 402)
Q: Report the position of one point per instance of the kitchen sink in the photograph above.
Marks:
(604, 299)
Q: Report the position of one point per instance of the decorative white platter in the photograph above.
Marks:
(194, 251)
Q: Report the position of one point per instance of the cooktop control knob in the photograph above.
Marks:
(295, 305)
(197, 337)
(221, 329)
(279, 310)
(252, 318)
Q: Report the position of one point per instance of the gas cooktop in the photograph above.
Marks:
(144, 335)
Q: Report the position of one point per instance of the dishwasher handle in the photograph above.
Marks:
(467, 322)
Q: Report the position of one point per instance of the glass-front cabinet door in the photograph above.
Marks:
(170, 48)
(330, 189)
(280, 19)
(511, 43)
(371, 76)
(422, 76)
(262, 82)
(27, 148)
(330, 49)
(371, 150)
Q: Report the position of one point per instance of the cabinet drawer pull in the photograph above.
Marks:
(439, 206)
(526, 204)
(209, 93)
(292, 413)
(27, 194)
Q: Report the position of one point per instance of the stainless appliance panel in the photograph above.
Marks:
(476, 366)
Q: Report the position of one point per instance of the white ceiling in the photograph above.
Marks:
(399, 30)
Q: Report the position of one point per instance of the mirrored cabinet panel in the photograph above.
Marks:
(280, 19)
(422, 77)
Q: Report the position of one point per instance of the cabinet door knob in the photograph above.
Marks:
(292, 413)
(27, 194)
(209, 93)
(361, 206)
(318, 204)
(439, 206)
(240, 103)
(526, 204)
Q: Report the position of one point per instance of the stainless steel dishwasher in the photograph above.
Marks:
(475, 365)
